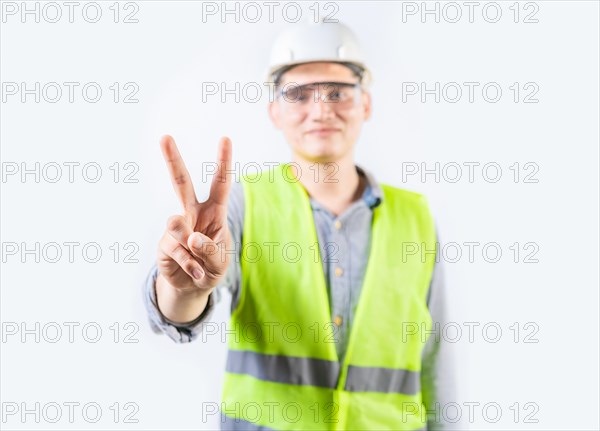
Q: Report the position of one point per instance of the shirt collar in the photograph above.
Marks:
(373, 195)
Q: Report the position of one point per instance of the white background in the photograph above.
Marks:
(168, 54)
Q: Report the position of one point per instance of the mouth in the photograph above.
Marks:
(323, 131)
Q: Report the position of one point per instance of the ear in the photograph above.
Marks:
(274, 113)
(367, 105)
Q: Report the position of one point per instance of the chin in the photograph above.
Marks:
(322, 157)
(321, 150)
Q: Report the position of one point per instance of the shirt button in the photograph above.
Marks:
(339, 271)
(338, 224)
(337, 320)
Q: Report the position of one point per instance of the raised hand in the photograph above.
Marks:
(190, 253)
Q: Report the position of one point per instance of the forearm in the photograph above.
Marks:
(180, 306)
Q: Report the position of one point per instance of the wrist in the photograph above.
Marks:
(188, 292)
(179, 305)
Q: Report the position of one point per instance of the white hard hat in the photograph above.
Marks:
(322, 41)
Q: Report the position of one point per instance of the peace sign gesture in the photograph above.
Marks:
(190, 253)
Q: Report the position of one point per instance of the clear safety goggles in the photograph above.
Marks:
(340, 95)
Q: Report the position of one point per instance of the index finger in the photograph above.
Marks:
(221, 183)
(180, 177)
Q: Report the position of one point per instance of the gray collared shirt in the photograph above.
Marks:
(344, 242)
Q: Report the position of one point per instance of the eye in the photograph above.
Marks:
(336, 95)
(291, 95)
(297, 94)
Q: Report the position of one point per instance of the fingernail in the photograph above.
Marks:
(197, 274)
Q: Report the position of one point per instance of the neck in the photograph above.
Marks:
(335, 185)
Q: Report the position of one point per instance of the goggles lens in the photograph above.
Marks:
(340, 95)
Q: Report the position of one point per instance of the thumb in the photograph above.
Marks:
(200, 245)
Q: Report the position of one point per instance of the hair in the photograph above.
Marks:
(357, 70)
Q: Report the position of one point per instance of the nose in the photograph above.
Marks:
(321, 108)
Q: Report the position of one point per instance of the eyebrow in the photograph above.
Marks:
(292, 86)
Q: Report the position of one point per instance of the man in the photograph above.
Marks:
(348, 311)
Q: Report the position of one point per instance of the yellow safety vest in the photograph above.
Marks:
(282, 370)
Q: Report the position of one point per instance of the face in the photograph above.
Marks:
(322, 131)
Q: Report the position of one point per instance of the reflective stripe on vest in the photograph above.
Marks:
(319, 372)
(235, 424)
(282, 370)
